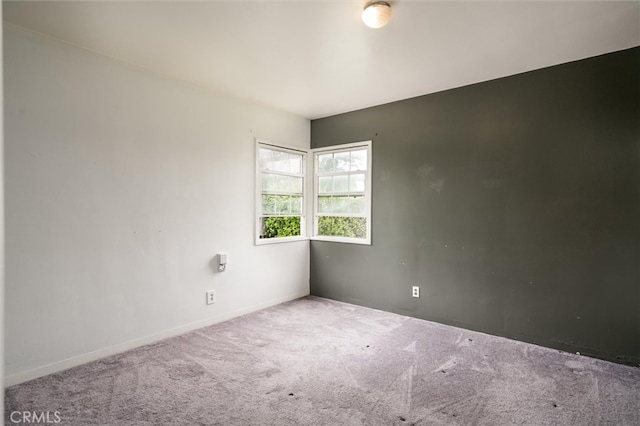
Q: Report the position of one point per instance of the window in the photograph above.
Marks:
(342, 193)
(280, 193)
(341, 201)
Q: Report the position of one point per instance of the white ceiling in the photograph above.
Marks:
(316, 58)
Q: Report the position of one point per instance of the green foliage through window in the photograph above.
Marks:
(338, 226)
(281, 226)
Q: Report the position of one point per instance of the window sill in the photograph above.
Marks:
(361, 241)
(343, 240)
(267, 241)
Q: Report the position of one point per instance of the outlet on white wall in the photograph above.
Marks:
(415, 291)
(211, 297)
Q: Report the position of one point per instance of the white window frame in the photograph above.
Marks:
(367, 192)
(310, 189)
(258, 192)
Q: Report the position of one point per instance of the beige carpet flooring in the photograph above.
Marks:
(313, 361)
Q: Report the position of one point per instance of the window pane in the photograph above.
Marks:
(269, 182)
(264, 156)
(324, 205)
(358, 160)
(356, 205)
(356, 183)
(352, 227)
(295, 163)
(280, 161)
(342, 161)
(268, 204)
(289, 184)
(272, 183)
(296, 205)
(271, 159)
(281, 204)
(340, 183)
(340, 204)
(325, 184)
(279, 226)
(325, 163)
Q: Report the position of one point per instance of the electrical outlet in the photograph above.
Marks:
(415, 291)
(211, 297)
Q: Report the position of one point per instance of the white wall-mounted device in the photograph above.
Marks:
(222, 261)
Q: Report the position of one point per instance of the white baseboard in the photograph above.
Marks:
(65, 364)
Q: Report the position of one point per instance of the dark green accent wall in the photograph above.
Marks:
(514, 204)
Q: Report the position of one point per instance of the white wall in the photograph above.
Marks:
(121, 186)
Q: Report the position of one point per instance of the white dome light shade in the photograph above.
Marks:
(376, 14)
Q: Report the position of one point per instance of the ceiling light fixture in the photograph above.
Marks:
(376, 14)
